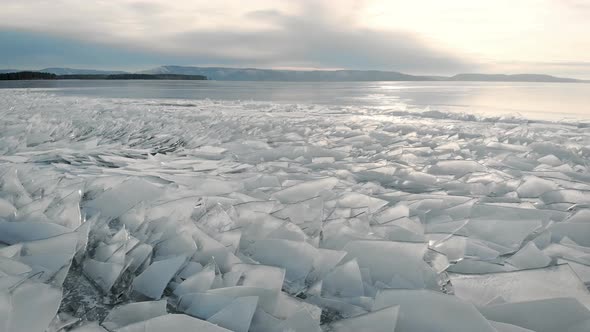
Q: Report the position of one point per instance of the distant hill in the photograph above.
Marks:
(71, 71)
(132, 77)
(253, 74)
(510, 78)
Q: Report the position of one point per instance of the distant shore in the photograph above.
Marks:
(31, 75)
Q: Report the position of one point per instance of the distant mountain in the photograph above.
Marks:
(510, 78)
(253, 74)
(4, 71)
(71, 71)
(131, 77)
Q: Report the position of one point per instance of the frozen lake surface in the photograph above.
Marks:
(214, 206)
(545, 101)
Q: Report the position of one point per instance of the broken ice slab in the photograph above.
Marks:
(12, 267)
(503, 327)
(535, 187)
(11, 186)
(568, 196)
(550, 160)
(262, 181)
(357, 200)
(302, 320)
(103, 274)
(210, 248)
(122, 198)
(456, 167)
(263, 276)
(391, 213)
(179, 244)
(529, 257)
(459, 247)
(290, 152)
(305, 190)
(395, 264)
(288, 307)
(203, 305)
(66, 211)
(336, 234)
(23, 231)
(139, 256)
(394, 232)
(581, 270)
(52, 257)
(114, 253)
(580, 216)
(445, 313)
(267, 298)
(172, 323)
(325, 261)
(475, 266)
(519, 286)
(189, 269)
(203, 186)
(7, 210)
(519, 163)
(156, 277)
(197, 283)
(578, 232)
(208, 152)
(134, 312)
(502, 235)
(216, 220)
(288, 231)
(548, 315)
(335, 308)
(21, 300)
(90, 327)
(295, 257)
(571, 252)
(383, 320)
(237, 315)
(311, 210)
(344, 281)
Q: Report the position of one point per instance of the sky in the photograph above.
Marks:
(410, 36)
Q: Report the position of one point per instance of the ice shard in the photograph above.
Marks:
(156, 277)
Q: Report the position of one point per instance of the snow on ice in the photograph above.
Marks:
(132, 215)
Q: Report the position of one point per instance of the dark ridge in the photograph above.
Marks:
(30, 75)
(27, 75)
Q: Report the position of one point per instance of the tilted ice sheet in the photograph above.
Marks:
(518, 286)
(557, 314)
(445, 313)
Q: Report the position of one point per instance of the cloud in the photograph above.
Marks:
(273, 34)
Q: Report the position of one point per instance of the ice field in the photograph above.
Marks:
(173, 215)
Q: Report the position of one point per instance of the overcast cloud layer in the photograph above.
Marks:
(419, 37)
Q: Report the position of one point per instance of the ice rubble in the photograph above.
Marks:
(131, 215)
